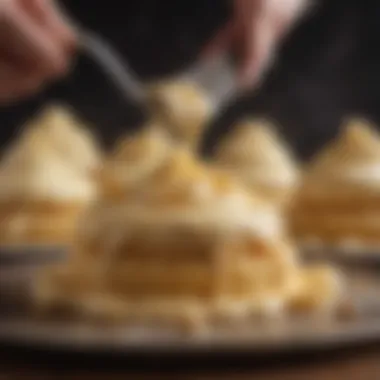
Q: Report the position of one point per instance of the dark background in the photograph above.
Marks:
(328, 67)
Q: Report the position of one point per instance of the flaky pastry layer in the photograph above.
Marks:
(254, 154)
(38, 222)
(339, 199)
(179, 240)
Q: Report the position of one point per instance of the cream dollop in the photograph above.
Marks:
(136, 158)
(159, 182)
(182, 107)
(353, 157)
(52, 159)
(256, 154)
(71, 138)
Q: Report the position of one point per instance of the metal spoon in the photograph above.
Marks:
(215, 76)
(117, 69)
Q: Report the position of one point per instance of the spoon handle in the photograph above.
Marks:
(113, 66)
(217, 77)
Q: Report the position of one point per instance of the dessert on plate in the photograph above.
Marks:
(47, 179)
(256, 155)
(337, 203)
(182, 107)
(172, 240)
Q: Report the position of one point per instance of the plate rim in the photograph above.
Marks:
(354, 334)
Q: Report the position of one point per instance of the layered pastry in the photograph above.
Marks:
(182, 107)
(46, 179)
(338, 201)
(171, 240)
(256, 155)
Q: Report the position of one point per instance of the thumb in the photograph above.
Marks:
(259, 51)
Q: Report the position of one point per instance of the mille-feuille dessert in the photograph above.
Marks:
(47, 179)
(338, 202)
(255, 154)
(172, 240)
(182, 107)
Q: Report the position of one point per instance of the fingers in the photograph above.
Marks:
(267, 24)
(259, 52)
(30, 43)
(12, 88)
(36, 45)
(291, 10)
(247, 11)
(253, 40)
(52, 20)
(254, 33)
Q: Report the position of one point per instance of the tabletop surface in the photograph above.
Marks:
(356, 363)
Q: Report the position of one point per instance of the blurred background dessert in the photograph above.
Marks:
(255, 154)
(47, 179)
(183, 108)
(337, 203)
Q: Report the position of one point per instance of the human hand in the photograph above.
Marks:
(253, 34)
(36, 44)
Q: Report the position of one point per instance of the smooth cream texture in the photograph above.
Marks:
(352, 159)
(53, 159)
(182, 107)
(256, 155)
(73, 140)
(170, 185)
(137, 157)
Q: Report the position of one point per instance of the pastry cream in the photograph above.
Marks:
(69, 136)
(340, 193)
(46, 178)
(183, 108)
(142, 154)
(256, 155)
(179, 241)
